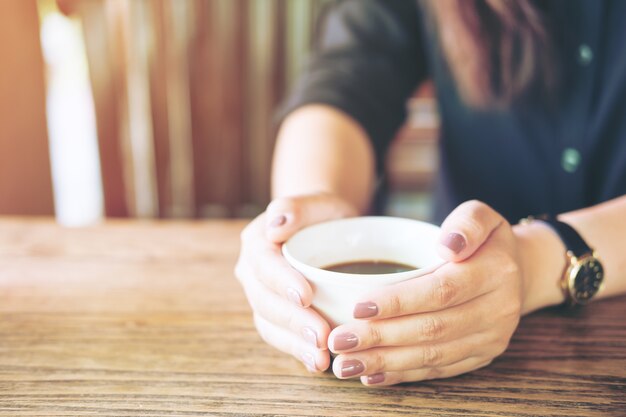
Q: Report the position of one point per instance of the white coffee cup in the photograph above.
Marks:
(355, 239)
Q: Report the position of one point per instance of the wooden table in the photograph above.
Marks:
(145, 318)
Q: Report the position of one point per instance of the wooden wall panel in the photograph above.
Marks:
(175, 33)
(263, 93)
(185, 94)
(160, 119)
(25, 177)
(131, 26)
(217, 64)
(108, 87)
(207, 77)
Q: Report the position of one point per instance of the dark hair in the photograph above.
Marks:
(495, 49)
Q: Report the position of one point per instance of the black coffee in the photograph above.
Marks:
(369, 267)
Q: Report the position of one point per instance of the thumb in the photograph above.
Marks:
(286, 215)
(466, 229)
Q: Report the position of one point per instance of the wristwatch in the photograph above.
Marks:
(584, 273)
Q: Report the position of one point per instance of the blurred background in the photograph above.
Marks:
(164, 108)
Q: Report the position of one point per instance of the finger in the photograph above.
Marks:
(466, 229)
(314, 359)
(305, 322)
(423, 374)
(450, 285)
(449, 324)
(388, 359)
(264, 261)
(278, 276)
(286, 215)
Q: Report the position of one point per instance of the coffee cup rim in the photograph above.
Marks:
(360, 279)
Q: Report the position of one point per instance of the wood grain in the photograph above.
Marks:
(145, 318)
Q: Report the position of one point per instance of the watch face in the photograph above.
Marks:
(588, 279)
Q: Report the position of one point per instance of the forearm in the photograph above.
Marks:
(320, 149)
(543, 254)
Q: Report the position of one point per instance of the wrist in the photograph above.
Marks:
(542, 255)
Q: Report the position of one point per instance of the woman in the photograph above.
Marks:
(532, 98)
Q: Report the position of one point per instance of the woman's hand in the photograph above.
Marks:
(280, 296)
(452, 321)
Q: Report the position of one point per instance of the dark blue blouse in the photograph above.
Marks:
(535, 157)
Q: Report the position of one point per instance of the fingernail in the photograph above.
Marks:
(278, 221)
(365, 310)
(345, 341)
(351, 367)
(455, 242)
(309, 361)
(294, 297)
(375, 379)
(309, 335)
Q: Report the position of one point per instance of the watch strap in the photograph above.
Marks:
(570, 237)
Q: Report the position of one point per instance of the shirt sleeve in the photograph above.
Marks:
(367, 61)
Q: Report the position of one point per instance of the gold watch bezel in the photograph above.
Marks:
(569, 278)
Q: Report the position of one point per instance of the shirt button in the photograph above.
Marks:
(585, 54)
(570, 160)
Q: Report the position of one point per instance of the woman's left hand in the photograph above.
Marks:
(452, 321)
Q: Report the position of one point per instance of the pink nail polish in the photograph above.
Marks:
(294, 297)
(345, 341)
(351, 368)
(309, 361)
(309, 335)
(278, 221)
(365, 310)
(455, 242)
(375, 379)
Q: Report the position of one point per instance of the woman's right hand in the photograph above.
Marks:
(279, 295)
